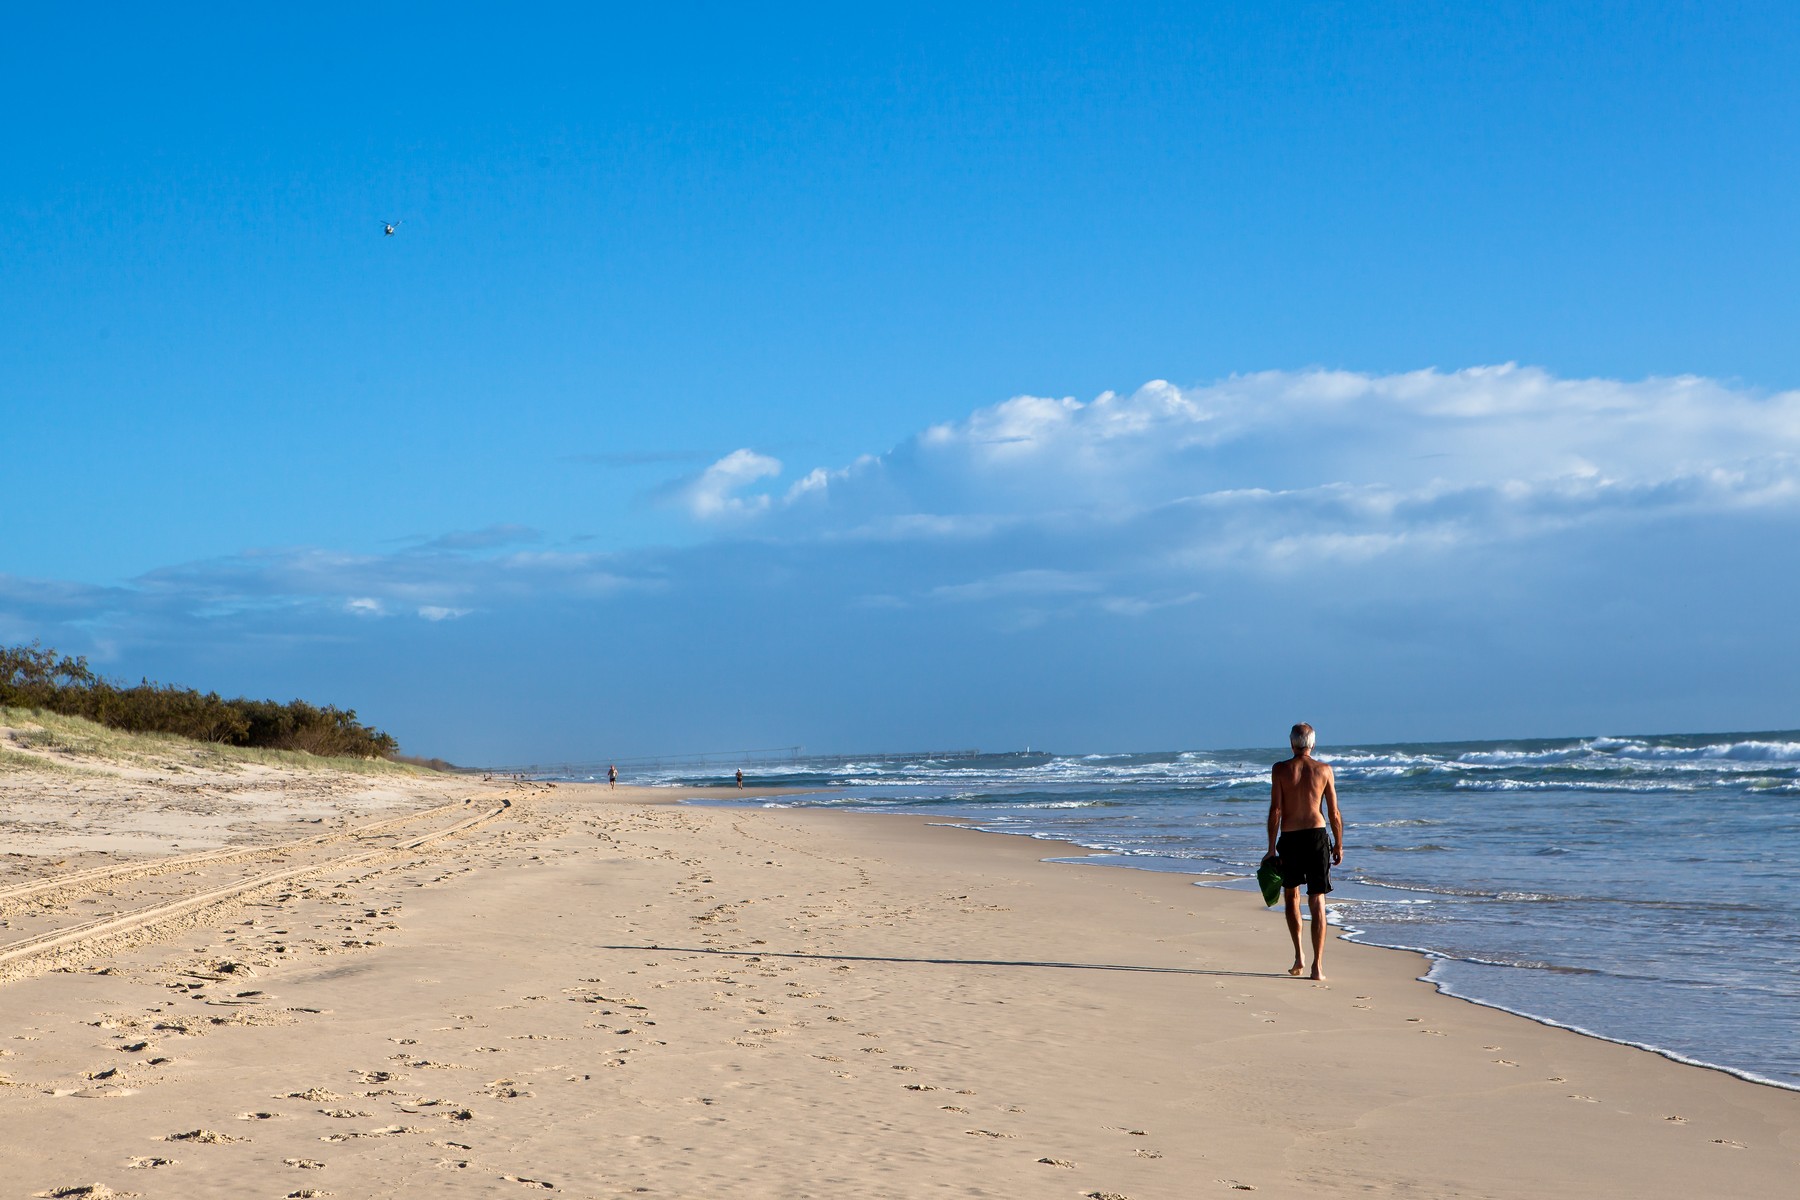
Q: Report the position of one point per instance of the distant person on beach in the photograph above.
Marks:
(1298, 837)
(612, 775)
(740, 777)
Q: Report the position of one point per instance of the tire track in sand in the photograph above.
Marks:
(16, 957)
(122, 872)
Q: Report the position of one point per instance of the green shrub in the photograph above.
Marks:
(35, 676)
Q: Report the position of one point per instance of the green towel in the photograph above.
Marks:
(1268, 878)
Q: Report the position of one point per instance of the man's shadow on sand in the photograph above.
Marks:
(950, 962)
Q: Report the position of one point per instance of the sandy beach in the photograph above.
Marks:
(286, 983)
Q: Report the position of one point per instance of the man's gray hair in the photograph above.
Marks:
(1300, 737)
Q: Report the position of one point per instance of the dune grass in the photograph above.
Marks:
(13, 761)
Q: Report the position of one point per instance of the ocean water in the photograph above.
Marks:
(1641, 889)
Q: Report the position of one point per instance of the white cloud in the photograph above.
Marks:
(437, 612)
(713, 493)
(1423, 430)
(1272, 467)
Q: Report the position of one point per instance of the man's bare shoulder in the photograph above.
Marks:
(1302, 767)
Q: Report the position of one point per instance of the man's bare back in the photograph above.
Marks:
(1298, 785)
(1302, 799)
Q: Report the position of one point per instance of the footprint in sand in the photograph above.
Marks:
(384, 1131)
(204, 1137)
(304, 1164)
(1677, 1120)
(148, 1162)
(1056, 1162)
(1729, 1143)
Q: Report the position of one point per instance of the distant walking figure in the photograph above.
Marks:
(1297, 835)
(740, 777)
(612, 775)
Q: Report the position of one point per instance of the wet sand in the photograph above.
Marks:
(600, 993)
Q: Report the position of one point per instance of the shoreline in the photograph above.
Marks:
(1343, 935)
(614, 993)
(1346, 936)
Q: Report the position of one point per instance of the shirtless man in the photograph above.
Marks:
(1297, 834)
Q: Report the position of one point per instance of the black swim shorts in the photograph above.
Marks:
(1306, 858)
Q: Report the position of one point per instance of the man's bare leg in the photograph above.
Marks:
(1316, 904)
(1293, 920)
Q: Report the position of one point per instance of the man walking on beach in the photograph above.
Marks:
(1297, 835)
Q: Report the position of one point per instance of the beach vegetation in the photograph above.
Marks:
(13, 760)
(36, 677)
(37, 740)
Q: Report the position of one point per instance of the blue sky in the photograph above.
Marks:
(1099, 378)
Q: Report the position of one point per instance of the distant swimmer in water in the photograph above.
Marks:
(1297, 835)
(612, 775)
(740, 777)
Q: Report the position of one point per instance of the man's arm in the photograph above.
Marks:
(1274, 810)
(1336, 818)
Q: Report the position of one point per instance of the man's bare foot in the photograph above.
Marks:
(1296, 969)
(1315, 976)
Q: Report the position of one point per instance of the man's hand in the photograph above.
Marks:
(1337, 854)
